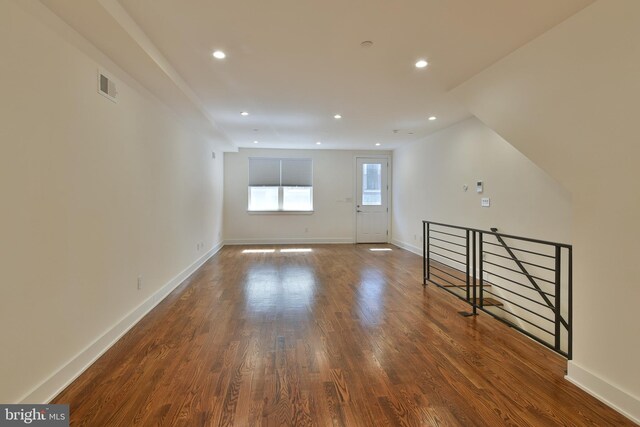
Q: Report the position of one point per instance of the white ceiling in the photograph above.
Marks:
(293, 64)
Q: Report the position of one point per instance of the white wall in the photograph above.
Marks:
(333, 219)
(428, 184)
(93, 194)
(428, 179)
(569, 101)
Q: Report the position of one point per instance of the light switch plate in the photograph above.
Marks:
(485, 202)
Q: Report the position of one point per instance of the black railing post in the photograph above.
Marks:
(481, 272)
(473, 257)
(557, 302)
(467, 265)
(570, 309)
(427, 242)
(424, 254)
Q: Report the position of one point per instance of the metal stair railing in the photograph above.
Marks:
(455, 259)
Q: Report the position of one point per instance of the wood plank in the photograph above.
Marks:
(340, 336)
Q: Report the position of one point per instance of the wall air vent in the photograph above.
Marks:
(107, 86)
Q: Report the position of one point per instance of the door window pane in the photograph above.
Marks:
(296, 199)
(371, 183)
(263, 198)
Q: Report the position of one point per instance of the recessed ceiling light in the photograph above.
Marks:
(366, 43)
(244, 113)
(218, 54)
(337, 116)
(432, 118)
(255, 142)
(421, 63)
(377, 144)
(318, 143)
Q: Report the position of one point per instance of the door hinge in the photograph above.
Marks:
(387, 209)
(387, 232)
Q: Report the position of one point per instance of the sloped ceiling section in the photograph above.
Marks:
(568, 99)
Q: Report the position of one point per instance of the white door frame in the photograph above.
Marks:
(388, 157)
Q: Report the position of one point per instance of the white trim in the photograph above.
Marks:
(618, 399)
(416, 250)
(289, 241)
(64, 376)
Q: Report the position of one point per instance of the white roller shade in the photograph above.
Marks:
(296, 173)
(264, 172)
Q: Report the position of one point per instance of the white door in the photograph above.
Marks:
(372, 200)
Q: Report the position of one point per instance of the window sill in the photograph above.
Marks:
(280, 212)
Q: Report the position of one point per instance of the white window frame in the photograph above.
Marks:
(281, 193)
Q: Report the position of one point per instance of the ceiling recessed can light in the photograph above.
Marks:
(366, 43)
(244, 113)
(377, 144)
(318, 143)
(432, 118)
(255, 142)
(337, 116)
(421, 63)
(218, 54)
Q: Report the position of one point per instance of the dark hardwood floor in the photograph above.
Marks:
(338, 336)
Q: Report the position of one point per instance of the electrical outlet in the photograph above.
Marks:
(139, 282)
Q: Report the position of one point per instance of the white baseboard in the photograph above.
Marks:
(289, 241)
(411, 248)
(618, 399)
(59, 380)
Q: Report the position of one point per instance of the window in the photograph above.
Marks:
(371, 184)
(280, 185)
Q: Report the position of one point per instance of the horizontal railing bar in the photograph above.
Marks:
(519, 284)
(449, 225)
(446, 241)
(524, 262)
(433, 262)
(448, 234)
(444, 256)
(524, 320)
(508, 236)
(463, 298)
(449, 274)
(443, 279)
(518, 305)
(522, 296)
(521, 250)
(450, 250)
(519, 272)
